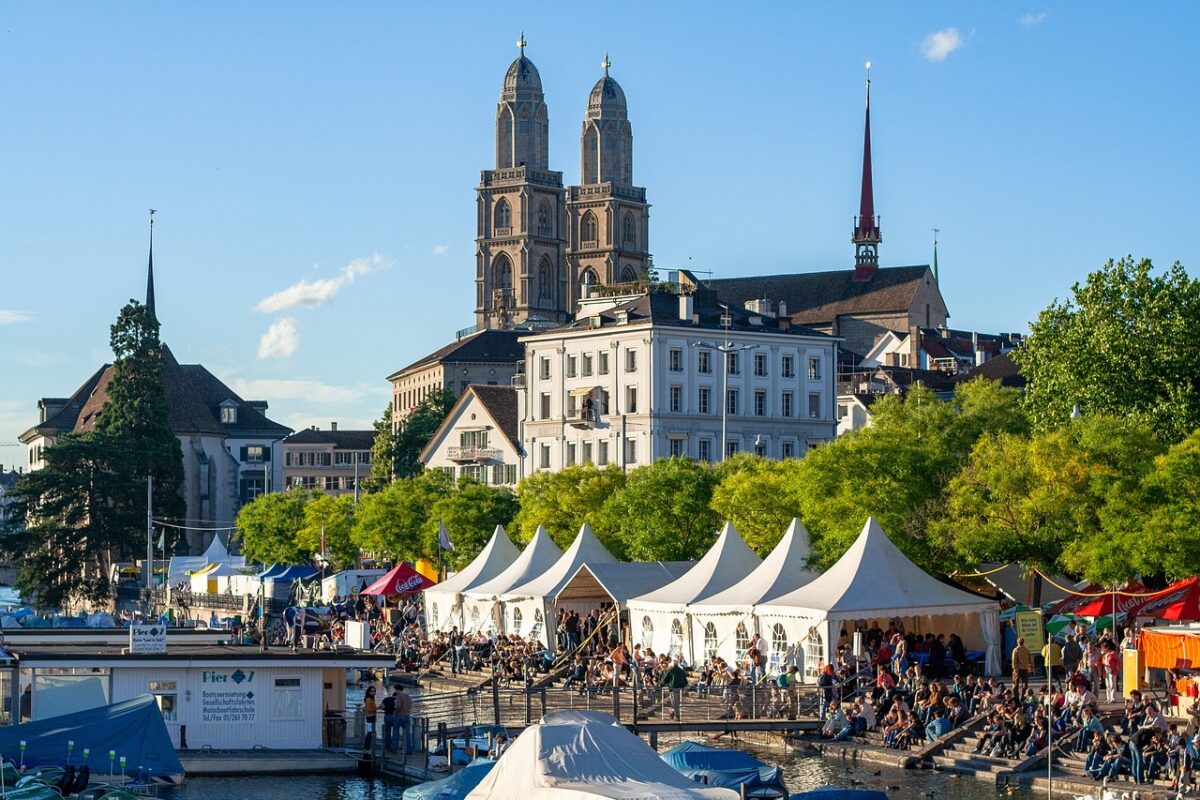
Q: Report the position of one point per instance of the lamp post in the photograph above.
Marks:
(725, 349)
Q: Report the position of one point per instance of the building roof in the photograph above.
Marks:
(662, 308)
(815, 298)
(484, 347)
(65, 418)
(607, 100)
(194, 396)
(522, 75)
(1001, 368)
(950, 343)
(500, 403)
(341, 440)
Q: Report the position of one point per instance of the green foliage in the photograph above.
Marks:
(269, 527)
(470, 514)
(1124, 344)
(663, 513)
(562, 501)
(759, 496)
(335, 517)
(414, 432)
(382, 453)
(66, 530)
(391, 522)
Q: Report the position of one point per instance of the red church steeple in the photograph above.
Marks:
(866, 236)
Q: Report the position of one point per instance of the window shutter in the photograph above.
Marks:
(266, 452)
(244, 449)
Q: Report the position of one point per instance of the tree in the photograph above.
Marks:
(470, 513)
(1124, 344)
(269, 525)
(383, 452)
(1022, 499)
(137, 416)
(63, 529)
(664, 512)
(414, 432)
(562, 501)
(333, 518)
(760, 497)
(390, 522)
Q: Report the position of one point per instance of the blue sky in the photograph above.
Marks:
(329, 152)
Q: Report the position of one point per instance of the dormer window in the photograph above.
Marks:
(229, 413)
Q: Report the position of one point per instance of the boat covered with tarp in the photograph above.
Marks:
(454, 787)
(840, 793)
(731, 769)
(132, 729)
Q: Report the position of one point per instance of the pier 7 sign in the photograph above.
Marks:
(227, 696)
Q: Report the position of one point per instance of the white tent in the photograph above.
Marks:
(344, 584)
(586, 755)
(180, 567)
(534, 599)
(496, 556)
(723, 623)
(875, 581)
(479, 603)
(659, 620)
(206, 581)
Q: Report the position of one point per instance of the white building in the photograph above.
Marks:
(480, 437)
(640, 377)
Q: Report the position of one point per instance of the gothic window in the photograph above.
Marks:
(779, 646)
(589, 278)
(741, 639)
(546, 280)
(503, 214)
(676, 646)
(710, 640)
(629, 232)
(544, 226)
(504, 279)
(628, 275)
(589, 228)
(516, 621)
(647, 632)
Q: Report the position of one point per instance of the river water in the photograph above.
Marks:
(802, 772)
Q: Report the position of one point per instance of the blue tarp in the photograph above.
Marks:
(272, 571)
(717, 766)
(297, 572)
(455, 787)
(133, 728)
(838, 793)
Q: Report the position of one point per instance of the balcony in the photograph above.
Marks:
(474, 455)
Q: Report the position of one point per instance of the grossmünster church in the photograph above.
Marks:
(539, 243)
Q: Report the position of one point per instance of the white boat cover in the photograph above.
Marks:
(580, 755)
(586, 549)
(538, 556)
(874, 579)
(726, 563)
(783, 571)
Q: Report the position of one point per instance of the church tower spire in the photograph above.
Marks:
(150, 271)
(520, 272)
(866, 236)
(608, 219)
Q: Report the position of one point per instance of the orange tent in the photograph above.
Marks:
(1170, 649)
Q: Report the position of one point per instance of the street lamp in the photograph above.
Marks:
(725, 349)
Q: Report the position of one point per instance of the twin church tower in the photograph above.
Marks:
(539, 244)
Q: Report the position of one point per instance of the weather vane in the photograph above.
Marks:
(521, 43)
(606, 64)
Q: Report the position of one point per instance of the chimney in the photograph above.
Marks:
(333, 426)
(782, 312)
(686, 307)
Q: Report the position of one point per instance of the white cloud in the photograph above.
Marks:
(8, 316)
(440, 249)
(295, 389)
(1032, 20)
(940, 44)
(314, 293)
(280, 340)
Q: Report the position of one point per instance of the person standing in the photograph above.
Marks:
(402, 721)
(1022, 665)
(389, 718)
(1112, 670)
(674, 680)
(1072, 654)
(369, 710)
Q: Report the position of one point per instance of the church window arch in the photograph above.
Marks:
(546, 280)
(503, 214)
(589, 277)
(589, 228)
(503, 272)
(628, 275)
(629, 231)
(545, 228)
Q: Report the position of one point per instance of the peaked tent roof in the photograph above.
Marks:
(399, 580)
(727, 562)
(783, 571)
(874, 579)
(538, 556)
(622, 581)
(586, 549)
(496, 556)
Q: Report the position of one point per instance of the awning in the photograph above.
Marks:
(584, 392)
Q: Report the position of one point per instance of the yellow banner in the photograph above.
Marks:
(1028, 624)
